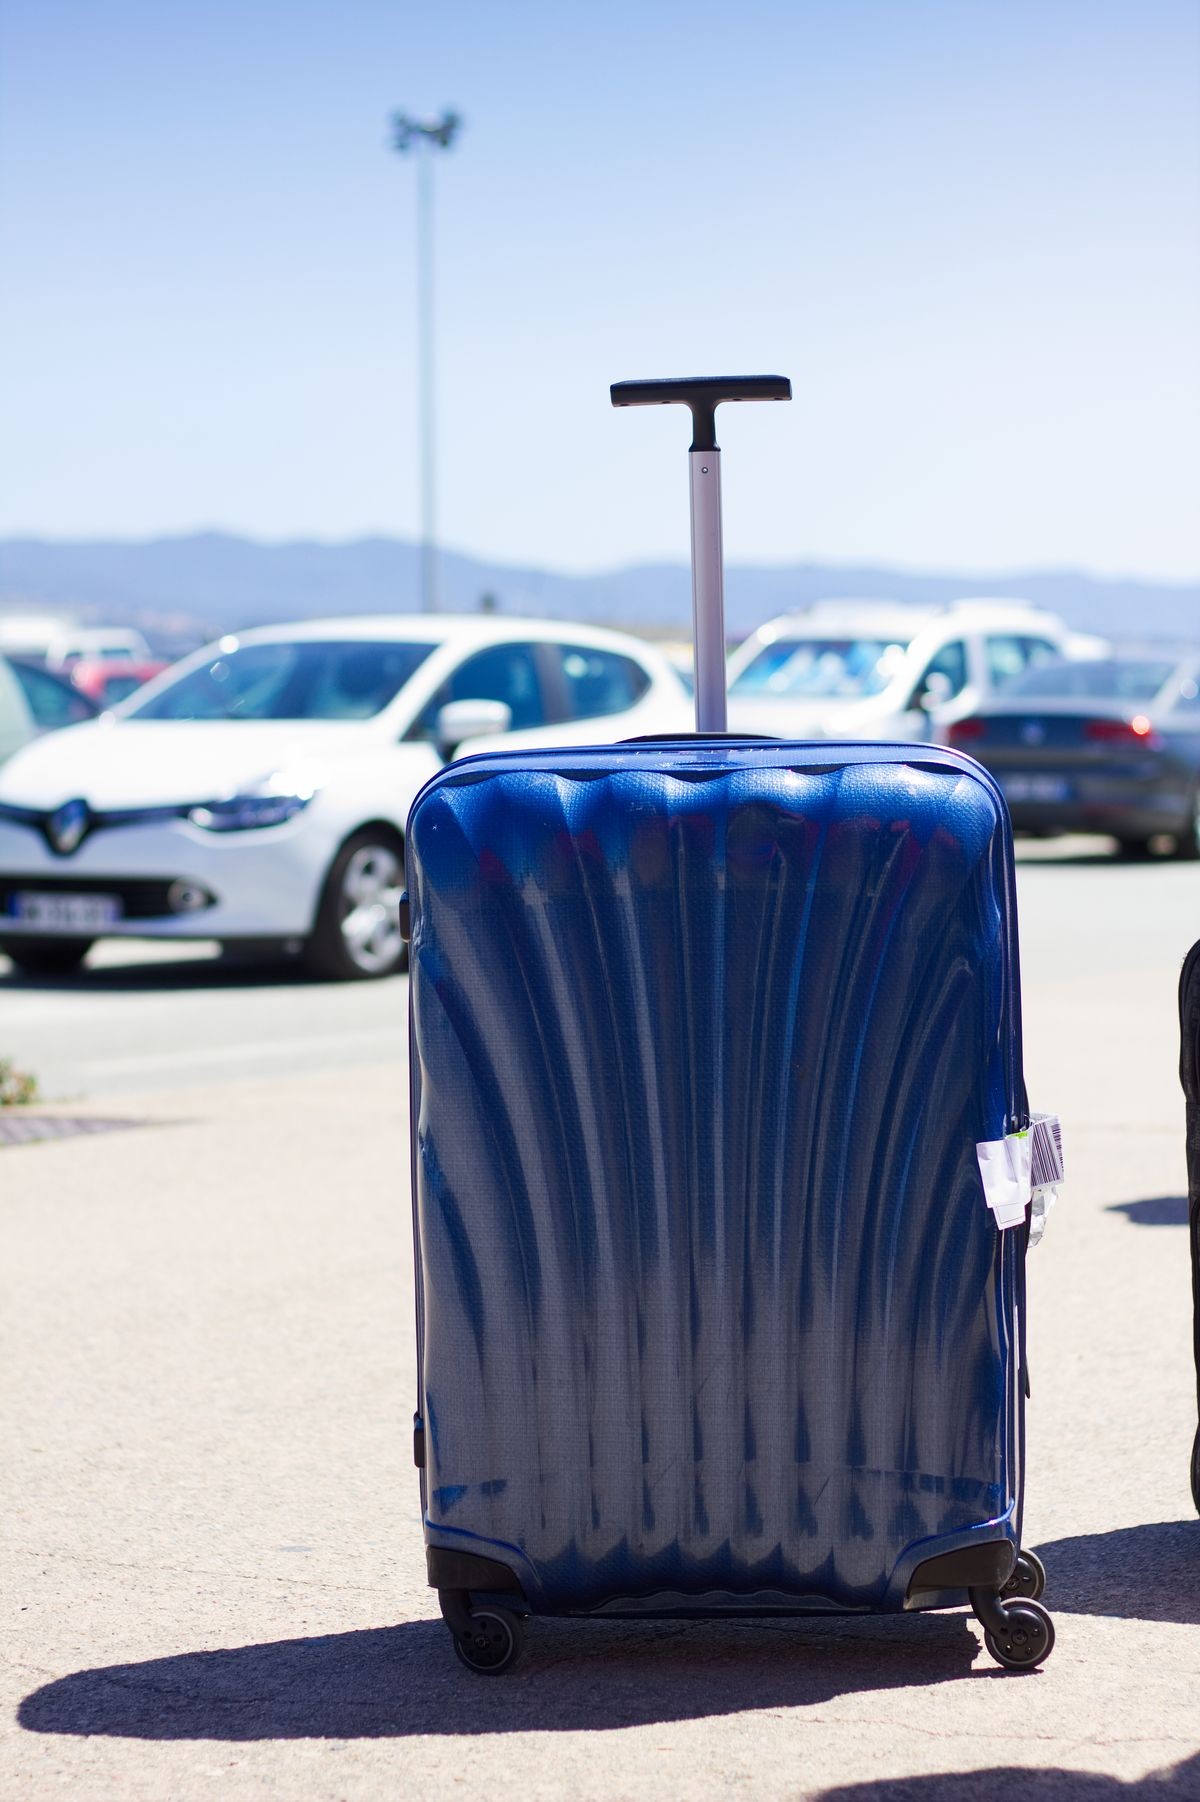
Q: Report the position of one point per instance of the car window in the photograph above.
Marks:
(52, 702)
(306, 680)
(800, 668)
(1187, 697)
(119, 688)
(1106, 678)
(1008, 654)
(598, 682)
(501, 672)
(951, 662)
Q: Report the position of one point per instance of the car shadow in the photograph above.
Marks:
(1181, 1783)
(404, 1681)
(216, 972)
(231, 969)
(1157, 1210)
(1145, 1573)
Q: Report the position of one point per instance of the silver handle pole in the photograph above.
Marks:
(708, 590)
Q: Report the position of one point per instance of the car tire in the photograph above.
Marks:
(1134, 850)
(356, 937)
(46, 957)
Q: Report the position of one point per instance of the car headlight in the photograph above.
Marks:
(271, 802)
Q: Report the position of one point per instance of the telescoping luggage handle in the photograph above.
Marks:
(704, 394)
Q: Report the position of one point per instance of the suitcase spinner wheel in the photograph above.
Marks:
(488, 1639)
(1019, 1634)
(1028, 1579)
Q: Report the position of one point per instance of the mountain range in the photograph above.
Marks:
(183, 590)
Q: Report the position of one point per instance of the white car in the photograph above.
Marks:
(75, 643)
(258, 791)
(878, 670)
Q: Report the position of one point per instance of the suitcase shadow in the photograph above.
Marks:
(1049, 1784)
(1155, 1210)
(1145, 1573)
(404, 1681)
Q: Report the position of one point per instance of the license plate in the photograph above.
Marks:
(1036, 788)
(65, 913)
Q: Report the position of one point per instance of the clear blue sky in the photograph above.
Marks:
(969, 230)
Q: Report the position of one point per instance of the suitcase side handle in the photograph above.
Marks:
(703, 394)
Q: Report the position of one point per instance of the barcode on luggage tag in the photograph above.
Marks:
(1047, 1152)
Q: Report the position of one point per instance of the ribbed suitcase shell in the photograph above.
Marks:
(712, 1314)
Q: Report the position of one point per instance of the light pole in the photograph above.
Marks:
(424, 136)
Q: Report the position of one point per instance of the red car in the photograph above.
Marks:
(107, 680)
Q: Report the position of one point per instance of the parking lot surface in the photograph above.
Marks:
(210, 1550)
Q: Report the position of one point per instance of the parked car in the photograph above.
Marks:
(30, 634)
(259, 790)
(1108, 745)
(876, 670)
(74, 642)
(33, 700)
(107, 680)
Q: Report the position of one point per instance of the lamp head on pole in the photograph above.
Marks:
(408, 133)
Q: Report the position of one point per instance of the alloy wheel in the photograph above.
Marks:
(369, 908)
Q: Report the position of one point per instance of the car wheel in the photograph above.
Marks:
(46, 957)
(357, 934)
(1133, 850)
(1187, 842)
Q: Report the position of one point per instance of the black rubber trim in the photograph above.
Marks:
(1189, 1076)
(38, 819)
(465, 1570)
(141, 897)
(986, 1566)
(703, 394)
(673, 738)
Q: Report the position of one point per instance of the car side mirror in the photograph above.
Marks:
(934, 691)
(459, 720)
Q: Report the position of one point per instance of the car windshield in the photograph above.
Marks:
(306, 680)
(841, 667)
(1096, 679)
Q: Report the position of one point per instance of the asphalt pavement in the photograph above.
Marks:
(147, 1015)
(210, 1549)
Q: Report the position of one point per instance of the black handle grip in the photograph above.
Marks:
(703, 394)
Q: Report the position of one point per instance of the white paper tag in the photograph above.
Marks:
(1006, 1166)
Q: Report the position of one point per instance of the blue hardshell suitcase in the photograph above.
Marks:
(713, 1314)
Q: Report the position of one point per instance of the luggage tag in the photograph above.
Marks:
(1023, 1170)
(1048, 1170)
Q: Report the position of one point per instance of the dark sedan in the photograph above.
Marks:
(1106, 745)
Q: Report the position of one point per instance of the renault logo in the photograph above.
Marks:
(66, 826)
